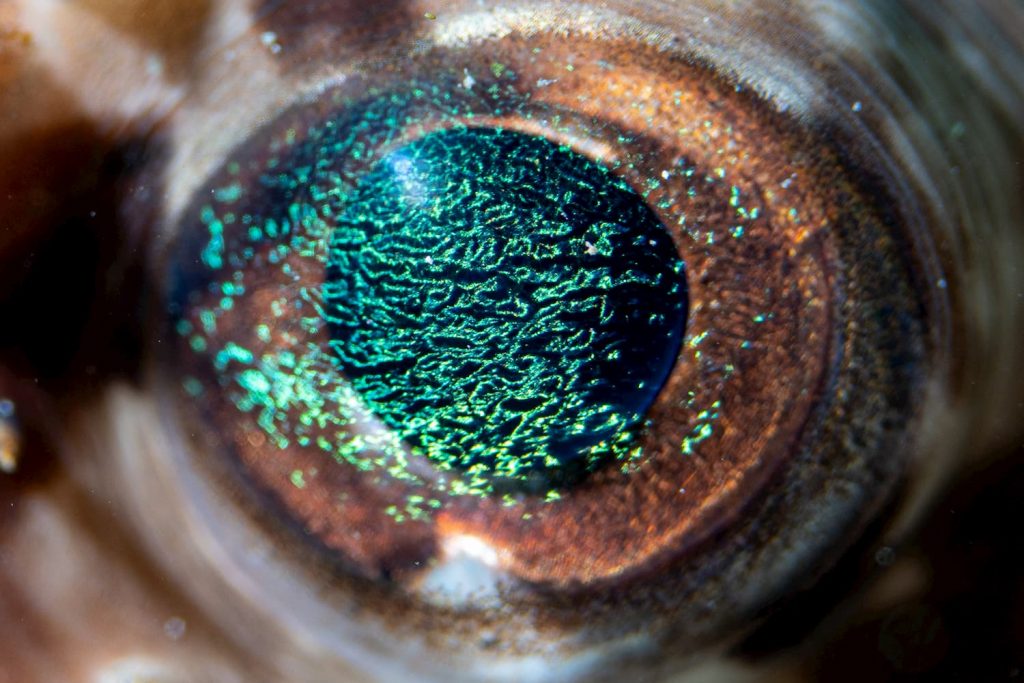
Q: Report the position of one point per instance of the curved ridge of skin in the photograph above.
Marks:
(929, 90)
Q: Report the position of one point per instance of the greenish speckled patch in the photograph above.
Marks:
(507, 306)
(541, 403)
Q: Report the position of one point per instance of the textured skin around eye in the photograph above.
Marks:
(314, 243)
(257, 302)
(504, 305)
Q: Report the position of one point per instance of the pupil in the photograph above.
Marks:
(507, 305)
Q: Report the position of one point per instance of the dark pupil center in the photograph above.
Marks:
(506, 305)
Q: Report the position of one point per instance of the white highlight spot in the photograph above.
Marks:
(154, 66)
(174, 628)
(133, 670)
(414, 190)
(269, 40)
(466, 573)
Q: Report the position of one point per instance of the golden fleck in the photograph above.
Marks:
(10, 437)
(10, 447)
(15, 37)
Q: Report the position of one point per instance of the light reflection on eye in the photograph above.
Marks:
(433, 315)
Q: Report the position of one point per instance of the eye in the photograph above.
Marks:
(524, 341)
(569, 342)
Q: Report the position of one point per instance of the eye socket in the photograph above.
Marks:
(792, 387)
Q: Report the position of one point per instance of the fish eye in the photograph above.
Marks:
(528, 326)
(520, 343)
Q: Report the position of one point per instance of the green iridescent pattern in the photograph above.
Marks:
(507, 306)
(566, 310)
